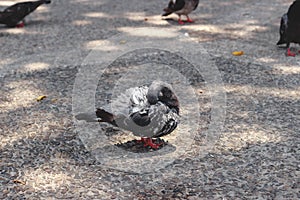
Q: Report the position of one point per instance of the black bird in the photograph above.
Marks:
(14, 15)
(181, 7)
(151, 112)
(290, 27)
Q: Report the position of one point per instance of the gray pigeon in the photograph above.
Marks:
(181, 7)
(290, 27)
(150, 112)
(14, 15)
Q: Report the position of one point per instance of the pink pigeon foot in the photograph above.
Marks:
(289, 53)
(20, 25)
(180, 22)
(189, 20)
(148, 142)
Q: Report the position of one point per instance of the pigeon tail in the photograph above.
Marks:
(100, 115)
(168, 11)
(281, 41)
(283, 29)
(105, 116)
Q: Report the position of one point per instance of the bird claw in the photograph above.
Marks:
(289, 53)
(148, 142)
(180, 22)
(20, 25)
(190, 20)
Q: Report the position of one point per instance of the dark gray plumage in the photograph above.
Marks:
(153, 111)
(14, 15)
(181, 7)
(290, 27)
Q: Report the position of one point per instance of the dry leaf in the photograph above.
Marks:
(40, 98)
(19, 182)
(237, 53)
(54, 100)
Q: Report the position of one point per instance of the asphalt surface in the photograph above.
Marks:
(240, 141)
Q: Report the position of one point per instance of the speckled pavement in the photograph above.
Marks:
(256, 153)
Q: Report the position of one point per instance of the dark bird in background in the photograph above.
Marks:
(181, 7)
(290, 27)
(151, 112)
(14, 15)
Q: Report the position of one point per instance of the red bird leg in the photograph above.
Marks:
(149, 143)
(180, 21)
(189, 19)
(20, 25)
(289, 53)
(142, 140)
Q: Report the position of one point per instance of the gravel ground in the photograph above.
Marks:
(43, 155)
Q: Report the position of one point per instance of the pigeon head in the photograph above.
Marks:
(167, 97)
(154, 91)
(163, 92)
